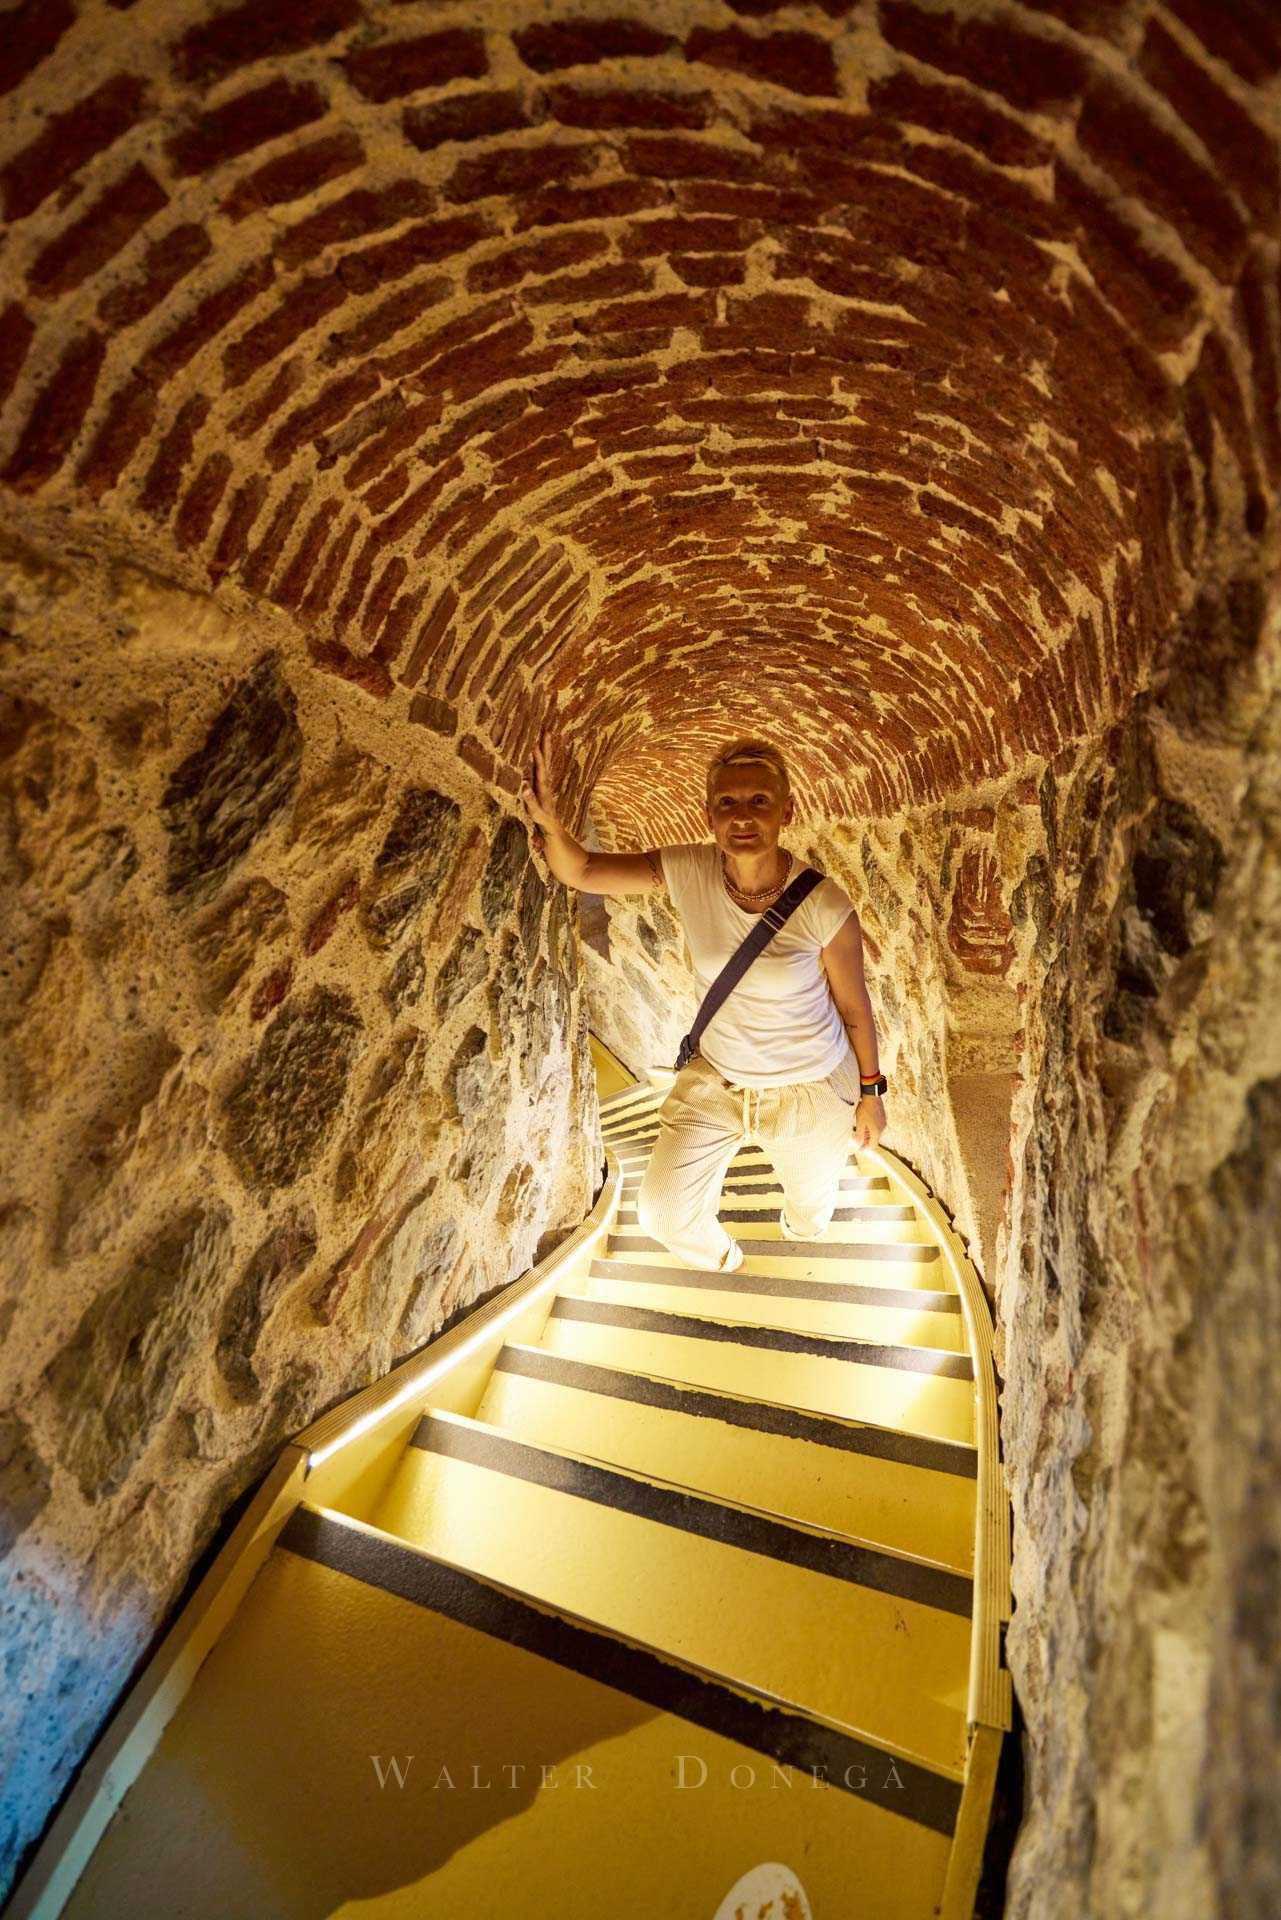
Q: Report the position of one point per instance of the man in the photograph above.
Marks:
(777, 1061)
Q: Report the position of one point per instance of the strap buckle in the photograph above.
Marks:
(777, 922)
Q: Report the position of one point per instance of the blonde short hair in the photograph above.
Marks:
(748, 750)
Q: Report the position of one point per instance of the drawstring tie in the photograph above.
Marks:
(751, 1121)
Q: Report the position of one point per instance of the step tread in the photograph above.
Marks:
(805, 1469)
(432, 1579)
(773, 1416)
(644, 1577)
(733, 1522)
(936, 1361)
(781, 1286)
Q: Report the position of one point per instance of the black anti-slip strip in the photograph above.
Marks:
(847, 1763)
(760, 1416)
(866, 1353)
(697, 1513)
(910, 1251)
(779, 1286)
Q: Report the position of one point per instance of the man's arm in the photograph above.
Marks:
(611, 873)
(842, 960)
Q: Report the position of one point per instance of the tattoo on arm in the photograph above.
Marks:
(655, 864)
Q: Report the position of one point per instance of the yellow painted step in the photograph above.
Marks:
(804, 1260)
(755, 1220)
(544, 1767)
(818, 1306)
(891, 1667)
(896, 1490)
(612, 1076)
(729, 1354)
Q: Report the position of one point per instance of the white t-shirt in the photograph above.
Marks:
(780, 1023)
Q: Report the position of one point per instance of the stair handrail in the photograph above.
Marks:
(990, 1696)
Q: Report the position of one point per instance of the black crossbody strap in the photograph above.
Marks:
(741, 959)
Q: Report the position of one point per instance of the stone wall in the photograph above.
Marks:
(1140, 1303)
(294, 1072)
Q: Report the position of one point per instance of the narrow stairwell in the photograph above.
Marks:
(694, 1573)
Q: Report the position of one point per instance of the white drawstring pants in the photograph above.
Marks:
(806, 1130)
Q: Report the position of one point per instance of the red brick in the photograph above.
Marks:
(31, 32)
(290, 590)
(440, 340)
(999, 137)
(664, 310)
(99, 234)
(383, 593)
(505, 269)
(423, 245)
(362, 670)
(259, 30)
(616, 107)
(582, 43)
(600, 283)
(217, 310)
(477, 756)
(1245, 35)
(291, 375)
(505, 170)
(799, 61)
(294, 175)
(260, 563)
(357, 583)
(1030, 71)
(246, 505)
(16, 333)
(320, 592)
(249, 121)
(57, 415)
(393, 68)
(1149, 163)
(129, 419)
(463, 116)
(68, 141)
(353, 217)
(395, 627)
(668, 157)
(166, 261)
(682, 235)
(302, 308)
(387, 319)
(1147, 289)
(613, 200)
(332, 404)
(200, 502)
(420, 502)
(1241, 152)
(385, 492)
(709, 269)
(427, 711)
(160, 489)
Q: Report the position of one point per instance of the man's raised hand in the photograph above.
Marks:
(537, 794)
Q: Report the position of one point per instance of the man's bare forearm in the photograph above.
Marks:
(860, 1025)
(567, 860)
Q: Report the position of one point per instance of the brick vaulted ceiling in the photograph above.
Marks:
(874, 375)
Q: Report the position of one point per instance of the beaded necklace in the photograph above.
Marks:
(764, 893)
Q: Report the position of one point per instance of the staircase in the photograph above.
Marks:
(670, 1577)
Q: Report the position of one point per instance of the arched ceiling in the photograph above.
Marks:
(875, 376)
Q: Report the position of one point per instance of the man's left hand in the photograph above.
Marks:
(869, 1121)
